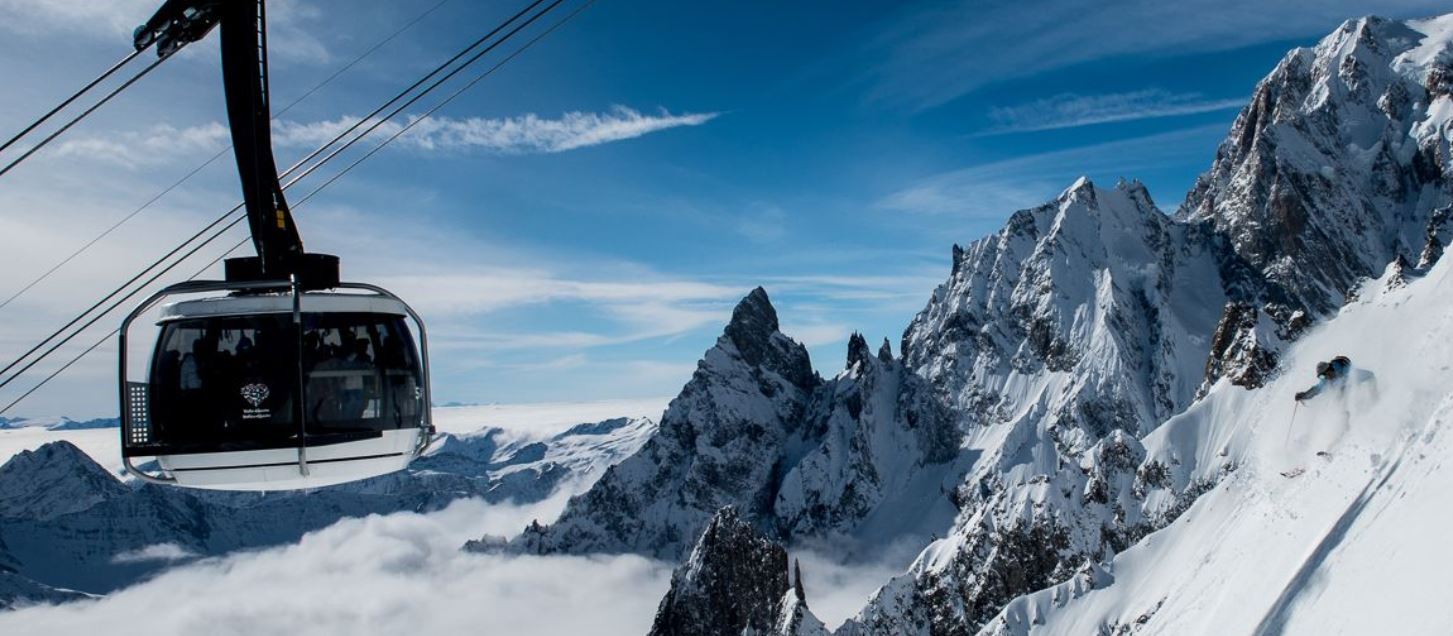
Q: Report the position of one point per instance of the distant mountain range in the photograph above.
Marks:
(59, 423)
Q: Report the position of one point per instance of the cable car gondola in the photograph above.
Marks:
(283, 376)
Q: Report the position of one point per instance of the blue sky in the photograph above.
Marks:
(579, 225)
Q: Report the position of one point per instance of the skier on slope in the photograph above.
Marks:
(1334, 375)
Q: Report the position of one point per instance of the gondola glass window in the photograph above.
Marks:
(229, 383)
(362, 373)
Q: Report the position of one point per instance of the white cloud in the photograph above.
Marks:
(526, 134)
(762, 223)
(994, 190)
(522, 134)
(163, 143)
(947, 50)
(839, 579)
(401, 573)
(485, 289)
(814, 334)
(158, 552)
(158, 145)
(1070, 110)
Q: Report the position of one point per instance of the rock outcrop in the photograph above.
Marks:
(734, 582)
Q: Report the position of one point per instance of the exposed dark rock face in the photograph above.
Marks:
(753, 331)
(720, 443)
(733, 582)
(1241, 348)
(17, 591)
(1331, 172)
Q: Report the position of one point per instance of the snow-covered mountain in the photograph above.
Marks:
(1056, 500)
(1339, 165)
(1044, 395)
(757, 429)
(1355, 544)
(65, 522)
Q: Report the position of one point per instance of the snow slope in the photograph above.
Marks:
(1355, 545)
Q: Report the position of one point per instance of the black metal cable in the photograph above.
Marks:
(67, 102)
(111, 229)
(291, 182)
(203, 165)
(114, 92)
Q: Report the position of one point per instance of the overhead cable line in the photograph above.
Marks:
(51, 137)
(327, 183)
(376, 124)
(208, 162)
(67, 101)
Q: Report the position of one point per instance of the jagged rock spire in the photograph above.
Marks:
(857, 349)
(797, 581)
(754, 320)
(754, 332)
(733, 583)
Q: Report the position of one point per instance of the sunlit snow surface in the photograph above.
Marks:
(1357, 544)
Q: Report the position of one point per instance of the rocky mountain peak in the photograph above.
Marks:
(858, 350)
(1337, 166)
(753, 320)
(754, 333)
(1082, 188)
(734, 582)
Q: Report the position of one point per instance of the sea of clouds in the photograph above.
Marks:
(396, 574)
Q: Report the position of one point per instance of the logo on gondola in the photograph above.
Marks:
(255, 393)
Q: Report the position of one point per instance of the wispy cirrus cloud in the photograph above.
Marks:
(944, 50)
(1070, 110)
(154, 146)
(523, 134)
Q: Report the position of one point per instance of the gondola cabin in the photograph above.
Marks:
(254, 391)
(284, 377)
